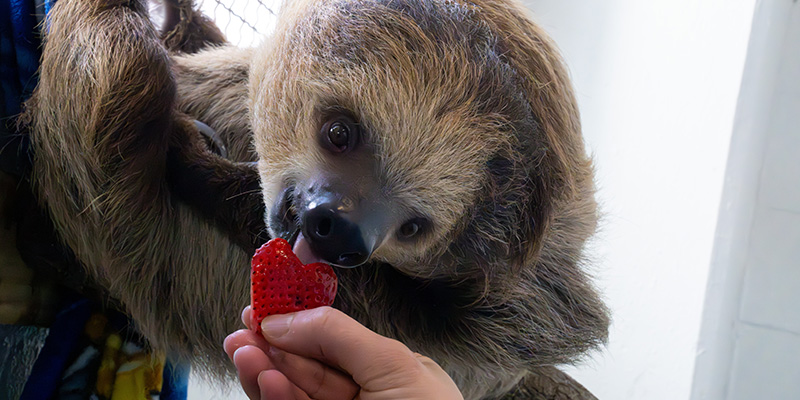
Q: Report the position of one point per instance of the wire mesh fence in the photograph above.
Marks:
(244, 22)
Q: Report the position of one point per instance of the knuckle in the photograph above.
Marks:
(323, 317)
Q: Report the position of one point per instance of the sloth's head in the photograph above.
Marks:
(405, 132)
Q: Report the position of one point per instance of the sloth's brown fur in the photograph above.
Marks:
(472, 113)
(99, 122)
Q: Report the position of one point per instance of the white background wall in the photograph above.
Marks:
(750, 341)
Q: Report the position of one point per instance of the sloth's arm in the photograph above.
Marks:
(549, 383)
(213, 88)
(137, 123)
(187, 30)
(113, 159)
(226, 193)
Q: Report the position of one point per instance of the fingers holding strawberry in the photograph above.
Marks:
(296, 349)
(324, 354)
(280, 284)
(268, 372)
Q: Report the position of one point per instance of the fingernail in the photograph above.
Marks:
(276, 326)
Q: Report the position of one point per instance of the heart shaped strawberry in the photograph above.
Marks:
(281, 284)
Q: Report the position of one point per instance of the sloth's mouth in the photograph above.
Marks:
(323, 225)
(287, 225)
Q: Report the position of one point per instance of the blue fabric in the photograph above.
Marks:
(20, 50)
(57, 351)
(19, 59)
(176, 382)
(67, 343)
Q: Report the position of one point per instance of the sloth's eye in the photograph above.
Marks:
(339, 134)
(412, 228)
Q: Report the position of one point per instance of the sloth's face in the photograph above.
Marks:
(337, 204)
(374, 135)
(349, 184)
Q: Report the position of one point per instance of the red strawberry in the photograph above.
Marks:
(281, 284)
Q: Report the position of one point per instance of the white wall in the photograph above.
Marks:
(750, 341)
(657, 83)
(200, 389)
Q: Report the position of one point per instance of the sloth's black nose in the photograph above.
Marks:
(333, 237)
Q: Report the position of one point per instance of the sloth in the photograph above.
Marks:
(431, 150)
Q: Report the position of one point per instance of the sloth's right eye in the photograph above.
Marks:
(340, 134)
(412, 228)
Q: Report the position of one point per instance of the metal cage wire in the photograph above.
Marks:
(244, 22)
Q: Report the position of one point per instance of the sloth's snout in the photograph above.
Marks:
(342, 225)
(334, 237)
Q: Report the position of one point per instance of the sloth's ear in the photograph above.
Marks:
(227, 194)
(510, 220)
(558, 175)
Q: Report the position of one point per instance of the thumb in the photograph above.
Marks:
(332, 337)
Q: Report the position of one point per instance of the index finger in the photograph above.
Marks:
(328, 335)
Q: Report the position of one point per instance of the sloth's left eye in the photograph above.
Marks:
(340, 134)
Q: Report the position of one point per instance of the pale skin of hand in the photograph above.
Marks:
(324, 354)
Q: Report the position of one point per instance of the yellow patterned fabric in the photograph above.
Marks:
(108, 366)
(122, 368)
(139, 376)
(95, 354)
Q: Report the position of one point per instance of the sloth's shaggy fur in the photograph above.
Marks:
(470, 112)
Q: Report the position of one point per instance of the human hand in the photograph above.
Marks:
(324, 354)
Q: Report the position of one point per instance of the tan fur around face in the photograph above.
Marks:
(430, 134)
